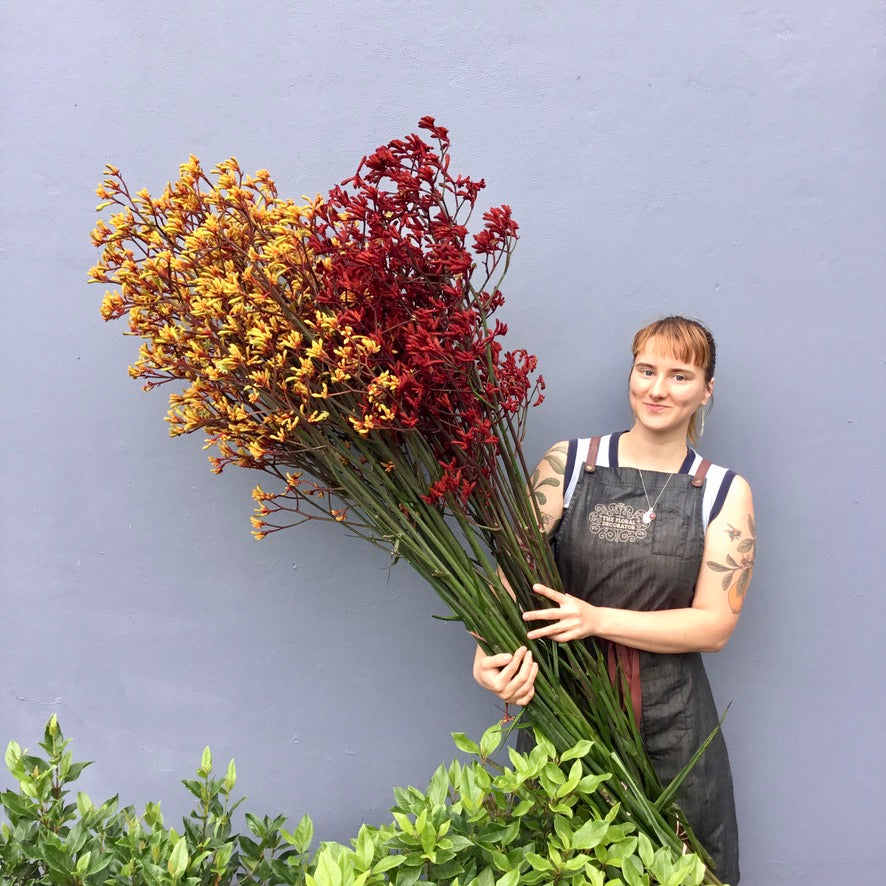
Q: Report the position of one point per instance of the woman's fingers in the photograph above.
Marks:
(524, 696)
(550, 593)
(499, 661)
(521, 687)
(559, 632)
(546, 631)
(515, 668)
(509, 676)
(544, 614)
(569, 621)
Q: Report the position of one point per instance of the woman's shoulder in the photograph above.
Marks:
(575, 453)
(601, 449)
(722, 486)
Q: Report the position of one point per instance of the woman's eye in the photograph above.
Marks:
(679, 377)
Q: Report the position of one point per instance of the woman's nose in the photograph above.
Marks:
(658, 388)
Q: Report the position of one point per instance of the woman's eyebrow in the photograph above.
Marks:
(679, 367)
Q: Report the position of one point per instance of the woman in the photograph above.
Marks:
(655, 546)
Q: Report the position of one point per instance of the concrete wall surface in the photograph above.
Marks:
(723, 160)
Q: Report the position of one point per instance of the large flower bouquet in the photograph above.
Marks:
(346, 346)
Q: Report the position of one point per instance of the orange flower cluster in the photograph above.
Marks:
(218, 280)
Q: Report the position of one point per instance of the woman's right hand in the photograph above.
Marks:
(510, 676)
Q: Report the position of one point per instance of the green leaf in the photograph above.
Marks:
(486, 878)
(644, 848)
(463, 743)
(222, 857)
(511, 878)
(577, 751)
(178, 859)
(388, 863)
(428, 837)
(632, 869)
(562, 808)
(153, 815)
(58, 860)
(205, 763)
(364, 848)
(327, 872)
(83, 864)
(621, 849)
(438, 787)
(571, 782)
(490, 741)
(84, 804)
(19, 807)
(563, 829)
(13, 756)
(538, 863)
(684, 867)
(404, 822)
(590, 834)
(230, 778)
(545, 745)
(590, 783)
(522, 808)
(421, 821)
(406, 876)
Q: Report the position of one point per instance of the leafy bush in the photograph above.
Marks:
(477, 824)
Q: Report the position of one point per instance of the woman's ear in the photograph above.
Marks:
(709, 391)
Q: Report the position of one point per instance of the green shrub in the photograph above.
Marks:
(477, 824)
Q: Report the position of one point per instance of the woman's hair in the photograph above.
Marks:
(687, 340)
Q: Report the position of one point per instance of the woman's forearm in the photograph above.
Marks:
(666, 630)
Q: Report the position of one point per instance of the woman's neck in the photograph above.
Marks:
(639, 449)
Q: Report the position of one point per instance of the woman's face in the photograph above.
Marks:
(665, 392)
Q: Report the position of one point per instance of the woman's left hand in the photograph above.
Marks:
(573, 619)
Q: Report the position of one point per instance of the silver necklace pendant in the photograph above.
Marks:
(649, 515)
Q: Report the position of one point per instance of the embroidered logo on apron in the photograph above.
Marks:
(617, 522)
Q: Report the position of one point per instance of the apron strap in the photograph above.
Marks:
(698, 479)
(591, 460)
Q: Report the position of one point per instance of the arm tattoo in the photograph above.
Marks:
(556, 460)
(737, 570)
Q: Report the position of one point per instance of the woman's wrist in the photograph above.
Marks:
(590, 620)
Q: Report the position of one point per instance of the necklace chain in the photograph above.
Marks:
(649, 514)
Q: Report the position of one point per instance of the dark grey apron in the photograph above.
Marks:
(609, 557)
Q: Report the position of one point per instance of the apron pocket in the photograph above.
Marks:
(671, 533)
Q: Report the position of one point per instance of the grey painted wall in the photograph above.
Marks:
(718, 159)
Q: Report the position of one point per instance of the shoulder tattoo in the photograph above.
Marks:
(739, 567)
